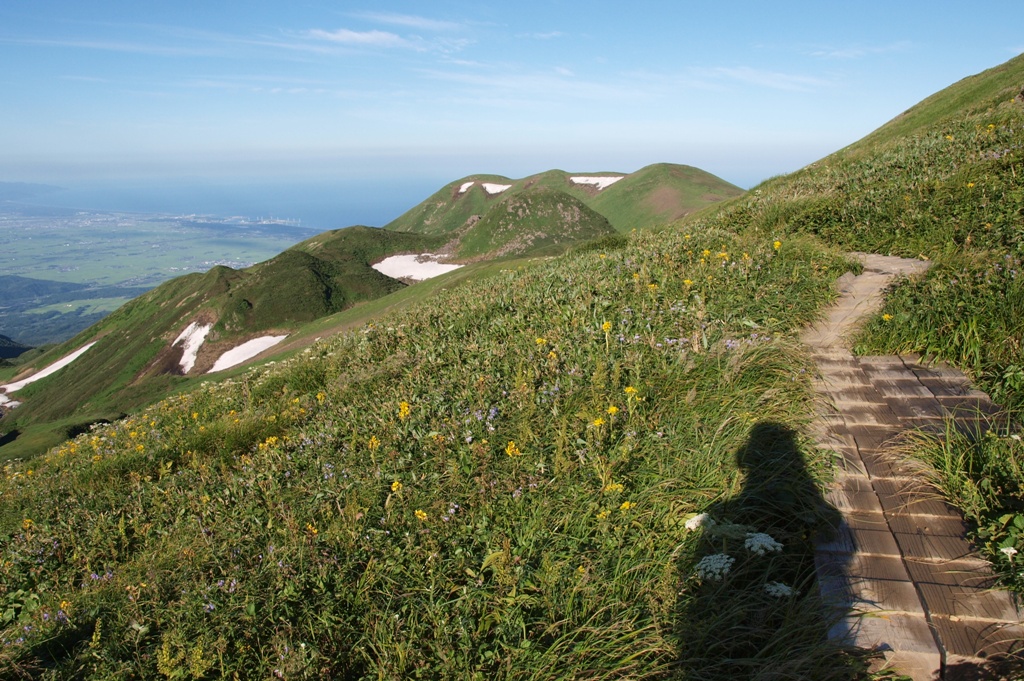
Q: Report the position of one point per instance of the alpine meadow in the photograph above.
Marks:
(585, 454)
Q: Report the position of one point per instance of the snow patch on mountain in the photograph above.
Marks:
(417, 267)
(599, 182)
(51, 369)
(192, 338)
(245, 351)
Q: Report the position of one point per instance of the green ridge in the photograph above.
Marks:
(534, 221)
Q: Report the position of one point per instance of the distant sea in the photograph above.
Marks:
(317, 205)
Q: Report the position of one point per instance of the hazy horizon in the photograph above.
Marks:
(296, 93)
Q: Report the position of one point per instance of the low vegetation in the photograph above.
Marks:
(494, 485)
(588, 467)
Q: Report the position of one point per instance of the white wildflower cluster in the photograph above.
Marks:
(761, 543)
(715, 566)
(699, 520)
(1008, 551)
(779, 590)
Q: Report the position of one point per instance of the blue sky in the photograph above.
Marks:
(344, 90)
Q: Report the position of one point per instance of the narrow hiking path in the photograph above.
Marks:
(900, 567)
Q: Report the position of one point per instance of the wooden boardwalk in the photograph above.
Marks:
(904, 579)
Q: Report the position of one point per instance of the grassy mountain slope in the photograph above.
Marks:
(502, 482)
(133, 362)
(535, 221)
(946, 181)
(491, 485)
(651, 196)
(660, 194)
(448, 209)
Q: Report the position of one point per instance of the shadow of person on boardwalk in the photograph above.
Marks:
(749, 607)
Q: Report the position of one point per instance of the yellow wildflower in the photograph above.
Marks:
(613, 487)
(26, 524)
(970, 185)
(421, 514)
(512, 449)
(887, 317)
(652, 287)
(598, 422)
(403, 410)
(311, 529)
(626, 505)
(688, 282)
(540, 341)
(613, 410)
(949, 137)
(602, 515)
(777, 245)
(706, 253)
(396, 486)
(373, 443)
(552, 355)
(320, 397)
(606, 327)
(629, 390)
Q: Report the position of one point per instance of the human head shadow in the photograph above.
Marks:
(739, 626)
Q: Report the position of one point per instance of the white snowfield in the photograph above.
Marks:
(492, 188)
(192, 337)
(246, 350)
(53, 368)
(11, 404)
(465, 186)
(599, 182)
(417, 267)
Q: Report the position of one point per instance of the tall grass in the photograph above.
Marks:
(495, 485)
(984, 477)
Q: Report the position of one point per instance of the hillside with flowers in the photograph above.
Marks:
(593, 466)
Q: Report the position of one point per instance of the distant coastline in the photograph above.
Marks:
(318, 205)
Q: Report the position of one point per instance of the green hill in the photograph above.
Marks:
(134, 361)
(651, 196)
(534, 221)
(448, 209)
(660, 194)
(504, 480)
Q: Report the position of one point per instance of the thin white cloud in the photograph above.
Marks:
(549, 35)
(535, 86)
(769, 79)
(409, 21)
(373, 38)
(859, 51)
(118, 46)
(85, 79)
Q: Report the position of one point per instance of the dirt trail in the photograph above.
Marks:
(900, 570)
